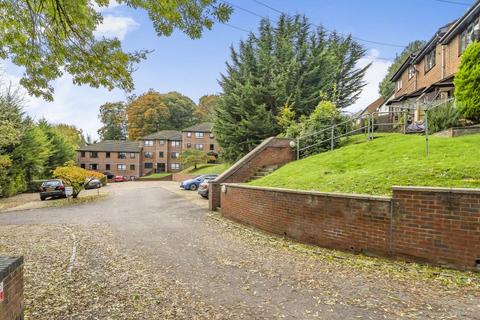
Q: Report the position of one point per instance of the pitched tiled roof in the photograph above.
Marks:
(164, 135)
(200, 127)
(113, 146)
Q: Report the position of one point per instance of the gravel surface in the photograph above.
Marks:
(149, 253)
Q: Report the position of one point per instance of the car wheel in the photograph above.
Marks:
(42, 198)
(193, 187)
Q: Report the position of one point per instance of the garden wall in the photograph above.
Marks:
(272, 151)
(436, 225)
(11, 288)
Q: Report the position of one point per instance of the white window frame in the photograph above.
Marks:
(189, 134)
(411, 72)
(175, 143)
(175, 166)
(199, 146)
(148, 143)
(430, 60)
(399, 84)
(149, 153)
(199, 135)
(121, 167)
(175, 155)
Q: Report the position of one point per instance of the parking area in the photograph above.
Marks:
(152, 251)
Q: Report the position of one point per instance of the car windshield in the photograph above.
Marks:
(51, 183)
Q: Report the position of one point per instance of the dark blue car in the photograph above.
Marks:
(192, 184)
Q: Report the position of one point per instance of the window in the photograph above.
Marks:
(132, 155)
(175, 144)
(189, 145)
(148, 143)
(132, 167)
(82, 154)
(162, 142)
(160, 154)
(94, 154)
(121, 167)
(212, 147)
(411, 72)
(107, 166)
(399, 84)
(148, 165)
(189, 134)
(198, 135)
(148, 154)
(175, 155)
(175, 166)
(211, 135)
(107, 154)
(198, 146)
(82, 166)
(93, 166)
(430, 60)
(122, 155)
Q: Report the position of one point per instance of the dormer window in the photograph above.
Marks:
(430, 60)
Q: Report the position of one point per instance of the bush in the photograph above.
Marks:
(467, 83)
(443, 117)
(34, 185)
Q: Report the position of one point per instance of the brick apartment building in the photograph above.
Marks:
(157, 152)
(428, 74)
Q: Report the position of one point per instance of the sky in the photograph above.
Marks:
(193, 67)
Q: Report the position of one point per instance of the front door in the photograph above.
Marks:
(160, 167)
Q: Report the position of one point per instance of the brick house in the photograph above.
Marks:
(154, 153)
(200, 137)
(121, 158)
(161, 152)
(428, 74)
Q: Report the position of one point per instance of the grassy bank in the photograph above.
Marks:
(155, 176)
(391, 159)
(207, 169)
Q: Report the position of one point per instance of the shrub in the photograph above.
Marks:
(193, 158)
(467, 83)
(443, 117)
(75, 177)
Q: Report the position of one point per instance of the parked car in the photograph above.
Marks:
(193, 184)
(93, 184)
(120, 179)
(54, 188)
(109, 175)
(203, 187)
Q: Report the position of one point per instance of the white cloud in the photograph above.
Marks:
(113, 26)
(111, 6)
(373, 76)
(77, 105)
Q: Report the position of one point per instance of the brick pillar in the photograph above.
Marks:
(11, 279)
(214, 195)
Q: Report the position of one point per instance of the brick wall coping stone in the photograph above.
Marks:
(313, 193)
(240, 163)
(436, 189)
(8, 265)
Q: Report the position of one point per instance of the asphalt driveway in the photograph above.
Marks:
(235, 272)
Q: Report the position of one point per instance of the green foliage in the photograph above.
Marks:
(386, 87)
(114, 119)
(71, 133)
(375, 166)
(205, 110)
(153, 111)
(467, 83)
(49, 38)
(76, 177)
(289, 64)
(443, 117)
(315, 129)
(191, 157)
(208, 169)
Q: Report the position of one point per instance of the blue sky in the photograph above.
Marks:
(192, 67)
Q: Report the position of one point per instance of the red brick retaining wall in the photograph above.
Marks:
(440, 226)
(272, 151)
(179, 177)
(11, 277)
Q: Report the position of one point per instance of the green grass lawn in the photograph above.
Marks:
(391, 159)
(155, 176)
(208, 169)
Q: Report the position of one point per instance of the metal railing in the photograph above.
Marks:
(398, 120)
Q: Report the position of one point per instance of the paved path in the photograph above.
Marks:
(251, 275)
